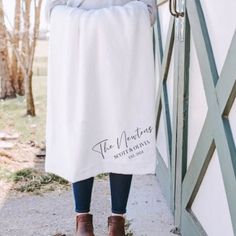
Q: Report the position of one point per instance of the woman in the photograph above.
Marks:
(119, 183)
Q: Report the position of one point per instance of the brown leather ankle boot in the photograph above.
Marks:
(84, 225)
(116, 225)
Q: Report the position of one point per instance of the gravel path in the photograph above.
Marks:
(53, 212)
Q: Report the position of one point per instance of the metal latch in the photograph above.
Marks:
(180, 20)
(173, 9)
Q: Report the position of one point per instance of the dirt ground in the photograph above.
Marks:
(22, 172)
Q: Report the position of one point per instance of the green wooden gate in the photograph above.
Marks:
(196, 111)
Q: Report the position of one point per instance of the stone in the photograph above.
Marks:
(6, 145)
(7, 136)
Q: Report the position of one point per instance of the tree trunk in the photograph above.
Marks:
(30, 110)
(17, 77)
(29, 96)
(6, 87)
(30, 51)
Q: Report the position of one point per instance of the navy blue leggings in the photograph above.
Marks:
(119, 187)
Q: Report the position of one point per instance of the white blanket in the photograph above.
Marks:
(100, 92)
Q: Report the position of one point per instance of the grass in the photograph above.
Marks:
(102, 175)
(14, 120)
(12, 114)
(128, 232)
(31, 130)
(32, 180)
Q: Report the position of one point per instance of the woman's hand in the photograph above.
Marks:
(50, 4)
(151, 4)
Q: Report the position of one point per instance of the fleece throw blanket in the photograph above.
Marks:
(100, 92)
